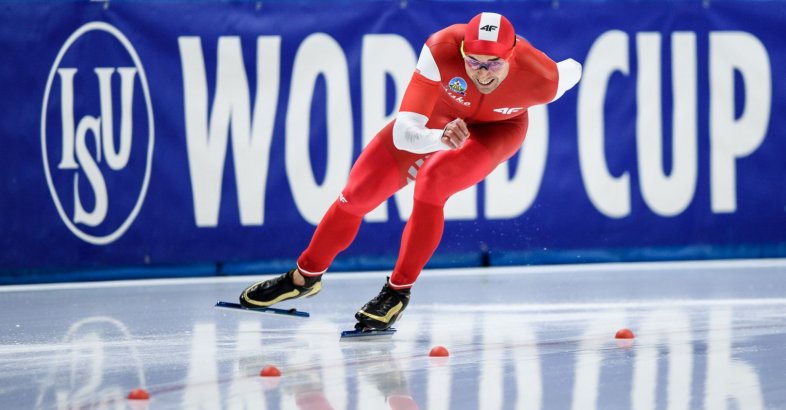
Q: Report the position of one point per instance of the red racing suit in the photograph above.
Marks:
(410, 148)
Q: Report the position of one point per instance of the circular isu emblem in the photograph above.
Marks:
(97, 133)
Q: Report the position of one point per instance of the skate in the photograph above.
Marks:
(361, 332)
(270, 310)
(382, 312)
(281, 288)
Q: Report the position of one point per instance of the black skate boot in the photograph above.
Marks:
(271, 291)
(381, 312)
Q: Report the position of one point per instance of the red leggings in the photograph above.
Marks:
(382, 169)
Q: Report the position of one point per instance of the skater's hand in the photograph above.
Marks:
(455, 133)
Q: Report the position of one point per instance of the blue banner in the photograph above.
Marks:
(165, 134)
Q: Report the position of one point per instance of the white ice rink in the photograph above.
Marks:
(709, 335)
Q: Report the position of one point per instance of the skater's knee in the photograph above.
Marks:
(357, 203)
(365, 192)
(433, 188)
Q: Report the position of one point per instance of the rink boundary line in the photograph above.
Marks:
(632, 267)
(663, 304)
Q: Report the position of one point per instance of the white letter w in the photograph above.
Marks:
(206, 138)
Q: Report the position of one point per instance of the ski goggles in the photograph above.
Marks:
(493, 66)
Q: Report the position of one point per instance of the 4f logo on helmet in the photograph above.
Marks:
(97, 133)
(488, 27)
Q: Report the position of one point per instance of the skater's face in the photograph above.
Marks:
(487, 72)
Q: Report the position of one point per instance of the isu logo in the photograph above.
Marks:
(97, 133)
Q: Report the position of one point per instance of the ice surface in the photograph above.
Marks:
(708, 335)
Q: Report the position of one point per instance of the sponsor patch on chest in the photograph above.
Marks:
(456, 90)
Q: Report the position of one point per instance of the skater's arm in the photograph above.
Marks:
(569, 75)
(410, 132)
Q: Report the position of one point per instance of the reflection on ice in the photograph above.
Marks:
(84, 371)
(496, 359)
(728, 378)
(716, 351)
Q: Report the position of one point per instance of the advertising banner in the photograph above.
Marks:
(172, 134)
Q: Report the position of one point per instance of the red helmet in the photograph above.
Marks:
(489, 34)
